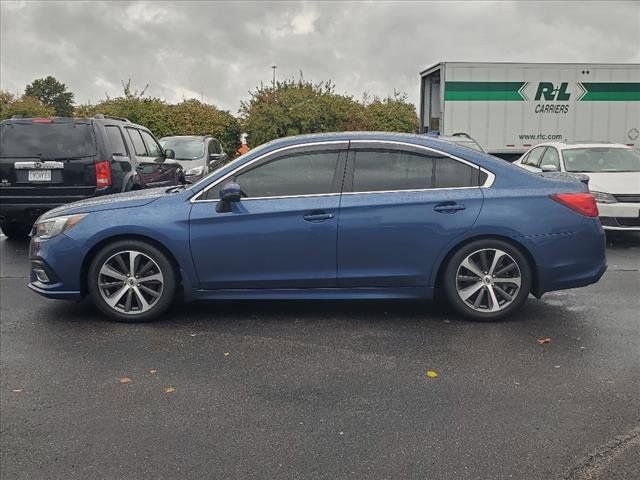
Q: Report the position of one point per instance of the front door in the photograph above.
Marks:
(282, 233)
(400, 209)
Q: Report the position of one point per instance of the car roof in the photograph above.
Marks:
(570, 145)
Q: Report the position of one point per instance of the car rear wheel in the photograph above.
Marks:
(16, 230)
(487, 280)
(132, 281)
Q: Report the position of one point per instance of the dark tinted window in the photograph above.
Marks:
(381, 170)
(115, 140)
(153, 149)
(300, 174)
(138, 144)
(47, 140)
(451, 173)
(214, 147)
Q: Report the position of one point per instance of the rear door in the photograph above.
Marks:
(47, 158)
(282, 234)
(401, 206)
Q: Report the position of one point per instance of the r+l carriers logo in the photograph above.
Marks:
(548, 92)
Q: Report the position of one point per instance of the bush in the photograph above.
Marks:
(25, 106)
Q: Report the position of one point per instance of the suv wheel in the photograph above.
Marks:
(16, 230)
(131, 281)
(487, 280)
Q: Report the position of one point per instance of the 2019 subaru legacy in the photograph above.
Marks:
(330, 216)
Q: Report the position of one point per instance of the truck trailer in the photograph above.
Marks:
(509, 107)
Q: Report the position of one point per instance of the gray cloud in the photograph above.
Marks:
(221, 50)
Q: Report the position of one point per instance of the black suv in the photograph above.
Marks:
(46, 162)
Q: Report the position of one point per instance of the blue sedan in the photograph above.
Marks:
(328, 216)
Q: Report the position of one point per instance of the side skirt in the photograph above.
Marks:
(362, 293)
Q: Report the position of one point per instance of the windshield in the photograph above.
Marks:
(185, 148)
(601, 159)
(47, 140)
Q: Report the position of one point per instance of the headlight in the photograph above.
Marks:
(195, 171)
(54, 226)
(602, 197)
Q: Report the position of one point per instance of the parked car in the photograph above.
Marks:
(330, 216)
(462, 139)
(198, 155)
(614, 176)
(47, 162)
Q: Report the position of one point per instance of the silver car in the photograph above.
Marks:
(197, 154)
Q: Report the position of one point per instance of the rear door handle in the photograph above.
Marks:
(317, 216)
(449, 207)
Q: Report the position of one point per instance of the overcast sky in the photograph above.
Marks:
(219, 50)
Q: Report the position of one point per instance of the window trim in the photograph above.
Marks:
(488, 182)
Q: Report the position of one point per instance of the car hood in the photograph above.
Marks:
(615, 182)
(136, 198)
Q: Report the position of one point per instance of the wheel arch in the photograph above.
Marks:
(516, 244)
(93, 251)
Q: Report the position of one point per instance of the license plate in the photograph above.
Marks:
(39, 175)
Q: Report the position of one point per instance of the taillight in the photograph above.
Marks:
(583, 203)
(42, 120)
(103, 174)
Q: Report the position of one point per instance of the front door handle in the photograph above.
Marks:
(317, 216)
(449, 207)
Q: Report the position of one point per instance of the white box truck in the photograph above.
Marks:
(508, 107)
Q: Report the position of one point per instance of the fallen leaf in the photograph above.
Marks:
(226, 354)
(153, 371)
(542, 341)
(432, 374)
(124, 380)
(17, 390)
(169, 390)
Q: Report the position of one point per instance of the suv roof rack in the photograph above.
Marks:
(101, 116)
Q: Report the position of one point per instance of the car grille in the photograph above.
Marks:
(620, 221)
(627, 197)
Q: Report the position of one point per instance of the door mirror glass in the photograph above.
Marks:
(549, 168)
(169, 153)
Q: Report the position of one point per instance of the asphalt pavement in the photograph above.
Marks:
(323, 390)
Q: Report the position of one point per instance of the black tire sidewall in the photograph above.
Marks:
(449, 279)
(16, 230)
(168, 273)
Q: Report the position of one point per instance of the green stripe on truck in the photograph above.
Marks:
(472, 91)
(610, 92)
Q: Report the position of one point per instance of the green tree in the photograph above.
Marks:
(52, 93)
(24, 106)
(393, 114)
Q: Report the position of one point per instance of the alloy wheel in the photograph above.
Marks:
(130, 282)
(488, 280)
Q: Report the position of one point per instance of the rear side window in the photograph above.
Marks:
(297, 174)
(388, 170)
(153, 148)
(453, 174)
(115, 140)
(47, 140)
(138, 144)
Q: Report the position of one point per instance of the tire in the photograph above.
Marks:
(16, 230)
(120, 295)
(482, 291)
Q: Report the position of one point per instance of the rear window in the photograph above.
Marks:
(47, 140)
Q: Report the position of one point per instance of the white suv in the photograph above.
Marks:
(614, 176)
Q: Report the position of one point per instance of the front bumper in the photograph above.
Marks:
(620, 216)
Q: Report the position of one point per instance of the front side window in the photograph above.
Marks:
(533, 159)
(214, 147)
(388, 170)
(297, 174)
(138, 144)
(550, 157)
(153, 149)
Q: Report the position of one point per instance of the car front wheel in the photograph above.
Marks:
(131, 281)
(487, 280)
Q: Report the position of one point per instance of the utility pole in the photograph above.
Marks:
(274, 67)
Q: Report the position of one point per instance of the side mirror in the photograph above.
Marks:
(168, 153)
(549, 168)
(230, 192)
